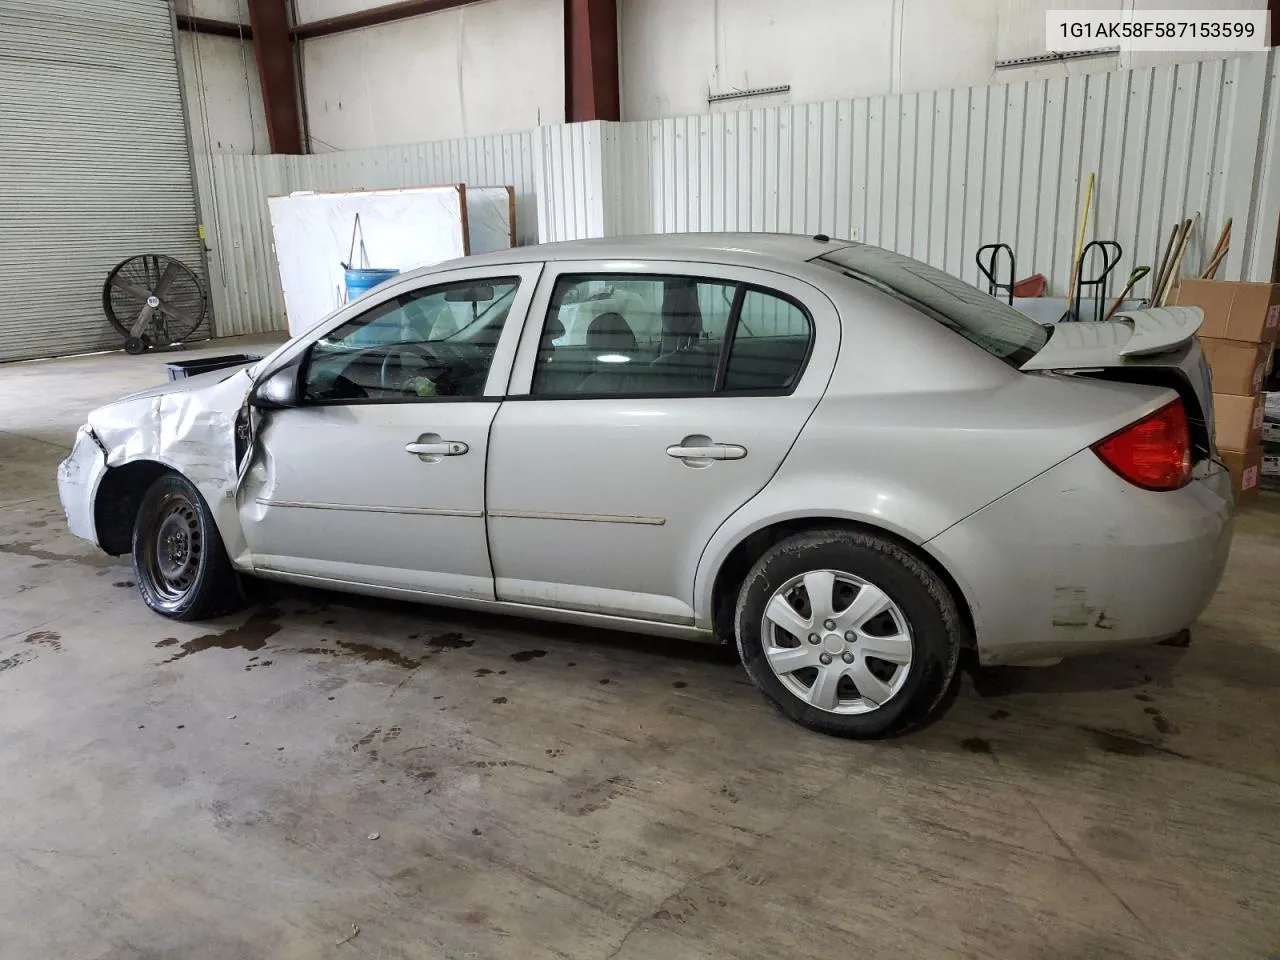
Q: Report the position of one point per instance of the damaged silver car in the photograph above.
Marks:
(850, 464)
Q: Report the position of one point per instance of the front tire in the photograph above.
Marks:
(847, 633)
(179, 561)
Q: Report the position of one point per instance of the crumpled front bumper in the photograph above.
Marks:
(78, 479)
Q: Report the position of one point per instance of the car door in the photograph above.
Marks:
(648, 402)
(376, 476)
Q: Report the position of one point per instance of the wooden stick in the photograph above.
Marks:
(1223, 238)
(1215, 263)
(1163, 265)
(1176, 267)
(1075, 254)
(1137, 274)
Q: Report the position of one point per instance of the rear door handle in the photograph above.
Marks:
(442, 448)
(712, 451)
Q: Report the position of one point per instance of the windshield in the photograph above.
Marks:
(980, 318)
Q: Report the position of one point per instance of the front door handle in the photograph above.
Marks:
(430, 448)
(709, 451)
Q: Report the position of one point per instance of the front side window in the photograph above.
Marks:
(434, 342)
(627, 335)
(981, 319)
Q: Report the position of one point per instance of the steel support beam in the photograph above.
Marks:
(591, 60)
(215, 28)
(273, 50)
(388, 13)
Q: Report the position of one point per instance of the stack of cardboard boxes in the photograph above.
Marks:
(1241, 321)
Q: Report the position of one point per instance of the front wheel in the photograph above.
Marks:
(178, 558)
(847, 633)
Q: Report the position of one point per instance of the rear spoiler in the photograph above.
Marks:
(1127, 336)
(1160, 329)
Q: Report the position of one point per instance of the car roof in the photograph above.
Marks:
(736, 249)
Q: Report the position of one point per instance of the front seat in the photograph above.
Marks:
(610, 333)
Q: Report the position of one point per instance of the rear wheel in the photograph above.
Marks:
(180, 563)
(847, 633)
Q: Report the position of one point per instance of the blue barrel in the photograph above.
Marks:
(361, 280)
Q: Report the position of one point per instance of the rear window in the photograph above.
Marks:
(981, 319)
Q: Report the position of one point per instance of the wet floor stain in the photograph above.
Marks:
(250, 635)
(16, 660)
(1144, 697)
(167, 642)
(124, 584)
(595, 797)
(499, 699)
(1160, 722)
(483, 671)
(524, 656)
(605, 680)
(45, 638)
(679, 684)
(371, 654)
(1000, 714)
(554, 752)
(31, 551)
(261, 663)
(450, 641)
(1122, 744)
(976, 744)
(375, 738)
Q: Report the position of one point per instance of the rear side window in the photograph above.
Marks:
(981, 319)
(770, 344)
(629, 335)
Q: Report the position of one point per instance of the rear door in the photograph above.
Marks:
(648, 402)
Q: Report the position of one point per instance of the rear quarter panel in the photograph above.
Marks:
(919, 429)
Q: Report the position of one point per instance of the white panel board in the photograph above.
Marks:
(491, 222)
(316, 234)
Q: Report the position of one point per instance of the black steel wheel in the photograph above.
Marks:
(181, 565)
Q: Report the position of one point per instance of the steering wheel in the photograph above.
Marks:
(399, 352)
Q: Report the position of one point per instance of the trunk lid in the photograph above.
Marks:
(1156, 346)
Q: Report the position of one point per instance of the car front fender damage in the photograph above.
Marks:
(192, 432)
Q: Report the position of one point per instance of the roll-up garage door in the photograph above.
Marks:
(94, 165)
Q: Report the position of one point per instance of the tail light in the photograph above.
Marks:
(1154, 453)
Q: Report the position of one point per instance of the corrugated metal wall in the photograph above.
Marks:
(234, 189)
(94, 165)
(936, 175)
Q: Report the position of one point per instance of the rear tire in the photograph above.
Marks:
(179, 561)
(848, 634)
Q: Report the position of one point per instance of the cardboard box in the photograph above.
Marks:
(1237, 366)
(1234, 311)
(1245, 468)
(1237, 421)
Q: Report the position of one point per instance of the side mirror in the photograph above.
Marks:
(278, 391)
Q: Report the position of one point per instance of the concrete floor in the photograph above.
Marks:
(211, 790)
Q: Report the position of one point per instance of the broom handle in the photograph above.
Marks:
(1075, 254)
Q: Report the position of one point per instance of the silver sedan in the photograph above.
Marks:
(846, 462)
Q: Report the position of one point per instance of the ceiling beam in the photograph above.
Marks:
(591, 60)
(215, 28)
(273, 50)
(388, 13)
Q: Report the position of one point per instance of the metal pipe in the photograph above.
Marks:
(388, 13)
(216, 28)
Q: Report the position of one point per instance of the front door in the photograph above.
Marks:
(661, 398)
(377, 476)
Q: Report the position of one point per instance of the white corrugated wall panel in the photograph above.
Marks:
(244, 276)
(94, 164)
(938, 174)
